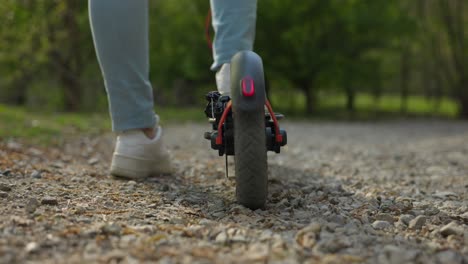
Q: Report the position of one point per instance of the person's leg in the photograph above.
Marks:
(234, 26)
(120, 33)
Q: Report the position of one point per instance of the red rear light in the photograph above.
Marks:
(248, 87)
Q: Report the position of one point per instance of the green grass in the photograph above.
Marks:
(332, 106)
(175, 115)
(45, 128)
(48, 128)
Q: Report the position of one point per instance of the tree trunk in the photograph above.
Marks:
(267, 86)
(65, 54)
(350, 96)
(463, 98)
(452, 15)
(311, 99)
(377, 91)
(404, 78)
(72, 92)
(72, 77)
(17, 95)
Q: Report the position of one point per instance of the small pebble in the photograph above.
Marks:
(333, 245)
(4, 187)
(417, 223)
(32, 205)
(405, 218)
(3, 194)
(49, 201)
(165, 188)
(380, 225)
(451, 229)
(445, 195)
(111, 229)
(334, 201)
(31, 247)
(464, 216)
(58, 164)
(36, 174)
(221, 237)
(385, 217)
(93, 161)
(449, 257)
(80, 210)
(337, 219)
(431, 211)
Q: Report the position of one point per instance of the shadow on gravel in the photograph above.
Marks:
(295, 197)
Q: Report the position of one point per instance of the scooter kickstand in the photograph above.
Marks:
(227, 173)
(226, 160)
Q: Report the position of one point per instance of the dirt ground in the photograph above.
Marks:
(383, 192)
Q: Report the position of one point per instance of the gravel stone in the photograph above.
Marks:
(464, 216)
(380, 225)
(49, 201)
(397, 255)
(165, 188)
(333, 245)
(4, 187)
(445, 195)
(131, 182)
(405, 219)
(385, 217)
(417, 223)
(36, 174)
(111, 230)
(3, 194)
(328, 191)
(221, 237)
(431, 211)
(337, 219)
(451, 229)
(449, 257)
(32, 205)
(93, 161)
(32, 247)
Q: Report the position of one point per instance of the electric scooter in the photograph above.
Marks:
(246, 127)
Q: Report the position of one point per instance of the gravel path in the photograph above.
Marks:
(386, 192)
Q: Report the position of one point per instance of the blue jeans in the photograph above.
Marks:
(120, 34)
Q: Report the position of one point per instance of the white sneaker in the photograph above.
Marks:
(136, 156)
(223, 79)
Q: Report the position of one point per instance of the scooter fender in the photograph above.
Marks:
(247, 82)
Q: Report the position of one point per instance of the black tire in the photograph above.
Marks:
(250, 159)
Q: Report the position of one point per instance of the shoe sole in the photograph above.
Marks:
(130, 167)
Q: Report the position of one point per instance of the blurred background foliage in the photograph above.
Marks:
(320, 57)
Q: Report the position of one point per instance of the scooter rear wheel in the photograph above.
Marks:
(250, 159)
(249, 130)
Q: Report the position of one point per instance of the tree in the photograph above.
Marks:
(324, 44)
(453, 18)
(297, 44)
(179, 56)
(45, 40)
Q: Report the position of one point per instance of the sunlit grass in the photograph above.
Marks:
(48, 127)
(331, 106)
(17, 122)
(175, 115)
